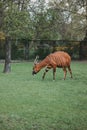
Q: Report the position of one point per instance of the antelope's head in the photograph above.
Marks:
(36, 68)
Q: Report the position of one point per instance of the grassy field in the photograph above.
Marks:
(29, 103)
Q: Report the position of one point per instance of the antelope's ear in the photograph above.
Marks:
(36, 60)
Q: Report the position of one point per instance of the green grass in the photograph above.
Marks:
(29, 103)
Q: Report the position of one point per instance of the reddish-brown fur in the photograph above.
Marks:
(57, 59)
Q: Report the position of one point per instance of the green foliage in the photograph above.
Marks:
(2, 36)
(39, 20)
(17, 24)
(71, 47)
(45, 25)
(42, 52)
(28, 103)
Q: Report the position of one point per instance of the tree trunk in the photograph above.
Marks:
(7, 66)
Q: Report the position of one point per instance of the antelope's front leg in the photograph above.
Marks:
(46, 70)
(54, 72)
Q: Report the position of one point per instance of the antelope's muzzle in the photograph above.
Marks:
(33, 72)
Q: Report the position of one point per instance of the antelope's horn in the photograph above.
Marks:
(36, 59)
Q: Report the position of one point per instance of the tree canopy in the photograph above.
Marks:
(44, 19)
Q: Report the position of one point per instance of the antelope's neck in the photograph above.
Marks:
(43, 63)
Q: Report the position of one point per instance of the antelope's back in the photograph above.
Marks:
(60, 58)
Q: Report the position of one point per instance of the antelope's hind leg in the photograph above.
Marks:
(65, 72)
(70, 71)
